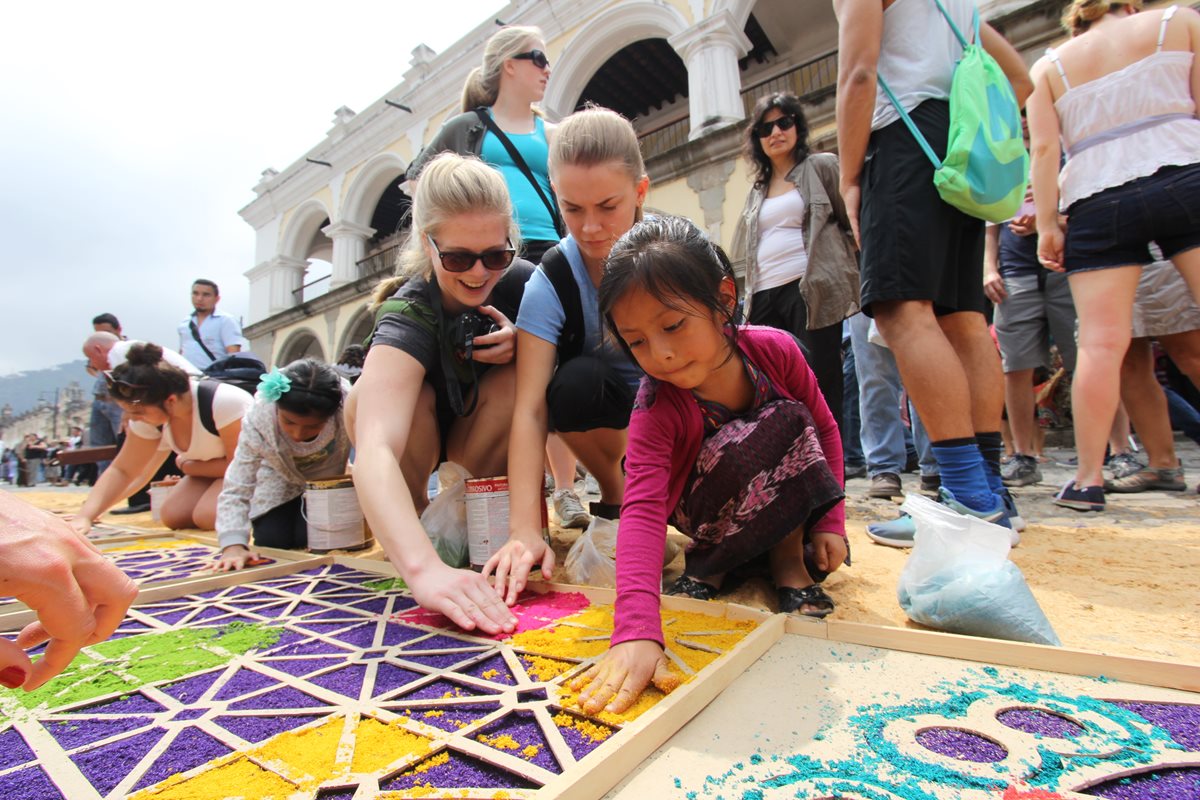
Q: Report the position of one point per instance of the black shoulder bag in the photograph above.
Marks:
(558, 270)
(196, 335)
(515, 155)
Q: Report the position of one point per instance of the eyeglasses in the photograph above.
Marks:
(763, 129)
(536, 56)
(463, 260)
(122, 389)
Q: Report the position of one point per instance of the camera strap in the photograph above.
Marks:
(447, 356)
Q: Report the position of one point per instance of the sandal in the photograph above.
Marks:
(690, 587)
(792, 600)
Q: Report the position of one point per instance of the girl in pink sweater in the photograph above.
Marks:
(730, 440)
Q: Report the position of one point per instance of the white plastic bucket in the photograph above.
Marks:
(159, 491)
(334, 517)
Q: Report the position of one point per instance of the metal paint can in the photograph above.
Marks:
(487, 518)
(335, 520)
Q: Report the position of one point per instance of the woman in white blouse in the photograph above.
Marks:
(166, 411)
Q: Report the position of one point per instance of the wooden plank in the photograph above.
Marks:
(1171, 675)
(605, 766)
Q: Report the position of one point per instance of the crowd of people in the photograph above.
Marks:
(541, 317)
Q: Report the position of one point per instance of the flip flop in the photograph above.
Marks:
(690, 587)
(792, 600)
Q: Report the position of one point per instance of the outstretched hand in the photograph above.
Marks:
(513, 562)
(615, 682)
(234, 557)
(463, 596)
(78, 596)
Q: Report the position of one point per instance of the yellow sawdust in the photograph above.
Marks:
(250, 779)
(143, 545)
(531, 750)
(591, 730)
(680, 624)
(311, 751)
(437, 712)
(645, 701)
(568, 640)
(501, 742)
(377, 744)
(491, 673)
(545, 669)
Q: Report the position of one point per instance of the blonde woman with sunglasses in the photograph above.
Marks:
(439, 380)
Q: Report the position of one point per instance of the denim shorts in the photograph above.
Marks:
(1115, 227)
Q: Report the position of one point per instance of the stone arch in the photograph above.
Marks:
(300, 343)
(598, 40)
(738, 9)
(369, 185)
(306, 221)
(356, 329)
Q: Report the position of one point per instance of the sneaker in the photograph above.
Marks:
(1124, 464)
(1014, 516)
(569, 510)
(1149, 479)
(1080, 498)
(997, 517)
(1021, 470)
(855, 471)
(902, 531)
(931, 483)
(885, 485)
(899, 532)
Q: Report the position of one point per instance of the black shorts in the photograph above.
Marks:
(916, 246)
(586, 393)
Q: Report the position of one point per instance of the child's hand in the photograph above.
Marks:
(234, 557)
(619, 678)
(829, 550)
(514, 560)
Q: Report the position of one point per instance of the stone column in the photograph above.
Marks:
(711, 50)
(272, 286)
(349, 247)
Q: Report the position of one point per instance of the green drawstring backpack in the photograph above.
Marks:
(986, 165)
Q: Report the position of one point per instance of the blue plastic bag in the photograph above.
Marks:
(959, 579)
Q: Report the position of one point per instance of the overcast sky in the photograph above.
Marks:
(134, 131)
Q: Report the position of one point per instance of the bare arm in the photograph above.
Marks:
(1009, 60)
(138, 460)
(215, 467)
(382, 405)
(1046, 154)
(860, 31)
(993, 284)
(1193, 26)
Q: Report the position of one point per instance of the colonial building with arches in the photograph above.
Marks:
(686, 72)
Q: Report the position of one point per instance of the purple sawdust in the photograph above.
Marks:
(13, 749)
(337, 614)
(237, 591)
(190, 689)
(312, 647)
(531, 695)
(31, 782)
(286, 637)
(172, 617)
(440, 642)
(327, 586)
(131, 625)
(1039, 721)
(132, 704)
(375, 605)
(389, 677)
(308, 608)
(495, 664)
(461, 771)
(243, 682)
(449, 718)
(1181, 783)
(337, 794)
(440, 661)
(359, 636)
(209, 595)
(1181, 721)
(444, 688)
(77, 733)
(301, 666)
(522, 726)
(394, 634)
(580, 743)
(960, 744)
(189, 714)
(285, 697)
(191, 748)
(259, 729)
(210, 613)
(107, 765)
(323, 628)
(273, 610)
(347, 681)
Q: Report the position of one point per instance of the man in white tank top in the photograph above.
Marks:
(921, 258)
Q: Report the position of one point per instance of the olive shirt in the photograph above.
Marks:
(830, 284)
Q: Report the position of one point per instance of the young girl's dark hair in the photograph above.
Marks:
(672, 260)
(316, 389)
(146, 378)
(789, 105)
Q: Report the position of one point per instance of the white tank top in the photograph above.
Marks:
(781, 254)
(918, 53)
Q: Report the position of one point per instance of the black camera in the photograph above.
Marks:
(464, 328)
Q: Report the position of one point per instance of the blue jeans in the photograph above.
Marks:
(104, 427)
(879, 387)
(852, 452)
(1184, 416)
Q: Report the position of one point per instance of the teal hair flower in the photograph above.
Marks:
(273, 385)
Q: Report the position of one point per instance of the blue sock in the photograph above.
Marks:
(991, 448)
(964, 473)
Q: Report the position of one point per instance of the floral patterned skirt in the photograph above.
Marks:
(758, 478)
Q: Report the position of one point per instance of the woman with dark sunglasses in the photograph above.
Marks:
(801, 267)
(162, 406)
(498, 118)
(437, 385)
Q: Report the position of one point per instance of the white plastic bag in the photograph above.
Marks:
(445, 518)
(592, 560)
(959, 579)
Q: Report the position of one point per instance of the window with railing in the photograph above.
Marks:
(384, 256)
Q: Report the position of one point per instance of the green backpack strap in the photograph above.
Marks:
(417, 312)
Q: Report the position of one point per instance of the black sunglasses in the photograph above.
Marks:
(536, 56)
(763, 129)
(122, 389)
(463, 260)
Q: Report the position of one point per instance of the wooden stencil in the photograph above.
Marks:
(324, 680)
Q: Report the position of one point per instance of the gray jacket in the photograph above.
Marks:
(830, 285)
(462, 134)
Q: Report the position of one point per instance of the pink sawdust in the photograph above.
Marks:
(532, 611)
(1013, 793)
